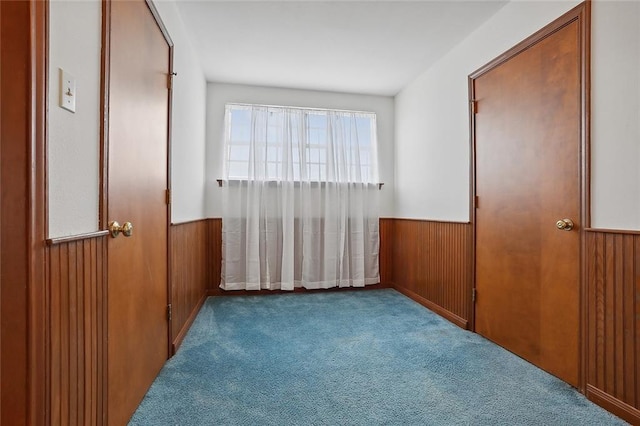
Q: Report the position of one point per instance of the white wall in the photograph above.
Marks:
(188, 121)
(74, 138)
(431, 155)
(432, 138)
(219, 94)
(432, 116)
(616, 115)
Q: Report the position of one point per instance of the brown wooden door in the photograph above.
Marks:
(14, 211)
(527, 141)
(137, 176)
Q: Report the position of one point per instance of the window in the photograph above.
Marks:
(299, 144)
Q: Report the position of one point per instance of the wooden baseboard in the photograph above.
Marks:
(613, 405)
(460, 322)
(220, 292)
(187, 325)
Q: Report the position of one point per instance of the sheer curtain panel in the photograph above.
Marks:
(300, 199)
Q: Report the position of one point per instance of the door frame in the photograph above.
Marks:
(167, 37)
(582, 15)
(104, 147)
(28, 222)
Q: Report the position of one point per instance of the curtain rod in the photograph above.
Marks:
(273, 181)
(297, 107)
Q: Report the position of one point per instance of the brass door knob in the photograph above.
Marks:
(115, 229)
(564, 224)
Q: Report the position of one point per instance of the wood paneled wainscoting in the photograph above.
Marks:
(77, 277)
(77, 291)
(432, 264)
(429, 261)
(613, 321)
(387, 226)
(195, 262)
(215, 253)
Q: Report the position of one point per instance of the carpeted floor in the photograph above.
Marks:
(350, 358)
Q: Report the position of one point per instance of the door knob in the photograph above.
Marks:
(564, 224)
(115, 229)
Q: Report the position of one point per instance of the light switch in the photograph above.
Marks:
(67, 91)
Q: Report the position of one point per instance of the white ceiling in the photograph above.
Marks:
(369, 47)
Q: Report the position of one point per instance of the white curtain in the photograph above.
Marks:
(300, 199)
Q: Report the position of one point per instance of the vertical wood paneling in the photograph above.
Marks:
(191, 265)
(386, 250)
(215, 252)
(55, 324)
(635, 325)
(592, 320)
(613, 321)
(431, 262)
(609, 310)
(73, 334)
(77, 284)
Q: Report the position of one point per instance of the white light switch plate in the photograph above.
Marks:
(67, 91)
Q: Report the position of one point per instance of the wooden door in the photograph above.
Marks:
(14, 211)
(137, 184)
(528, 176)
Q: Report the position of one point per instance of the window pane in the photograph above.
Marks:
(240, 125)
(295, 143)
(363, 127)
(273, 153)
(314, 172)
(317, 120)
(322, 136)
(295, 135)
(314, 156)
(238, 153)
(272, 171)
(240, 133)
(323, 155)
(238, 170)
(273, 134)
(241, 116)
(364, 157)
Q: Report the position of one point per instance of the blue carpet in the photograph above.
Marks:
(350, 358)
